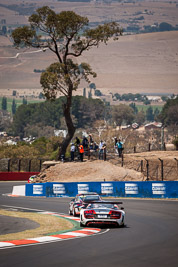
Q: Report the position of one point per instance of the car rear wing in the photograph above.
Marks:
(103, 202)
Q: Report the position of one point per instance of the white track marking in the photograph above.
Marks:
(50, 239)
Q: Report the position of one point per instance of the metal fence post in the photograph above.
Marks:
(162, 169)
(147, 170)
(141, 164)
(149, 147)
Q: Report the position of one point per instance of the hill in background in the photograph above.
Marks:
(139, 63)
(144, 63)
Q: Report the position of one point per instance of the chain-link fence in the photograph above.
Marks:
(156, 170)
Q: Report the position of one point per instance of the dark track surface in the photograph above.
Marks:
(150, 238)
(9, 225)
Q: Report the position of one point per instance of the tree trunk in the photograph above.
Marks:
(70, 127)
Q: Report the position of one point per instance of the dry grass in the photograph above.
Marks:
(48, 224)
(141, 63)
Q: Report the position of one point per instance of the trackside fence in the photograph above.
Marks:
(155, 170)
(147, 189)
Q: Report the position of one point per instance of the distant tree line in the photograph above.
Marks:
(13, 106)
(169, 114)
(162, 27)
(33, 118)
(130, 97)
(41, 119)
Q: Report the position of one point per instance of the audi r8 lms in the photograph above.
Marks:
(105, 212)
(78, 202)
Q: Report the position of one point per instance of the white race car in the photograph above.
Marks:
(78, 202)
(104, 212)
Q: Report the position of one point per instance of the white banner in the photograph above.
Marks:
(158, 188)
(38, 189)
(59, 189)
(83, 188)
(106, 188)
(131, 188)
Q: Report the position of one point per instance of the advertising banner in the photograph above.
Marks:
(147, 189)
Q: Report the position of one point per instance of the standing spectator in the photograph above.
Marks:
(77, 143)
(104, 151)
(95, 147)
(120, 147)
(81, 152)
(85, 142)
(115, 145)
(72, 151)
(90, 139)
(101, 149)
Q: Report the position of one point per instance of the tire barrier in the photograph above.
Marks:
(147, 189)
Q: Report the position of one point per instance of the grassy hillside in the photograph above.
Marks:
(18, 103)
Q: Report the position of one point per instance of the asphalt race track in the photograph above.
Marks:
(149, 239)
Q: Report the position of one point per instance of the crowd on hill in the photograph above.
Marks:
(88, 146)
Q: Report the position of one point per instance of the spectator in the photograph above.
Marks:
(120, 148)
(81, 152)
(72, 151)
(104, 151)
(115, 145)
(90, 139)
(91, 146)
(101, 150)
(77, 143)
(85, 142)
(95, 147)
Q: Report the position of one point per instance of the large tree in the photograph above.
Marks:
(122, 114)
(67, 35)
(169, 113)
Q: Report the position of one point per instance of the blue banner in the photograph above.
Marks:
(147, 189)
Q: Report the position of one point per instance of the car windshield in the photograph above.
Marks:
(92, 198)
(102, 206)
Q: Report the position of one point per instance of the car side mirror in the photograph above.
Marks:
(122, 208)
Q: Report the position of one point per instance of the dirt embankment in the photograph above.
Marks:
(99, 170)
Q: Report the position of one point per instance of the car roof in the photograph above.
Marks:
(86, 194)
(106, 202)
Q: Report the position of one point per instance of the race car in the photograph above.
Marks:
(77, 203)
(31, 178)
(102, 213)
